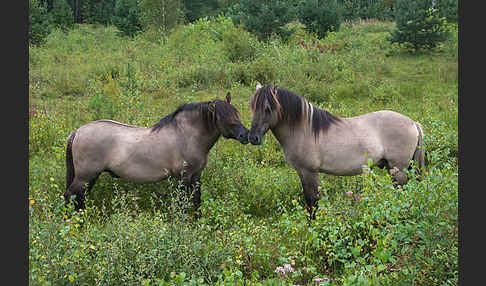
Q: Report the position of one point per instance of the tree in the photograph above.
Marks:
(38, 22)
(264, 18)
(448, 9)
(126, 17)
(418, 25)
(321, 16)
(195, 9)
(61, 15)
(160, 14)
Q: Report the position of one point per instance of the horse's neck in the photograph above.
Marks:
(195, 132)
(290, 135)
(286, 134)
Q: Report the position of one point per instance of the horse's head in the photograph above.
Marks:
(227, 120)
(266, 112)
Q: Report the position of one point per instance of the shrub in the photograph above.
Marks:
(320, 17)
(238, 45)
(419, 26)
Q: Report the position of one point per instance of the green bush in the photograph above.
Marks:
(38, 22)
(419, 26)
(238, 45)
(320, 17)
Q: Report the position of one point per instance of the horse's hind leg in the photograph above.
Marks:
(399, 177)
(80, 189)
(310, 183)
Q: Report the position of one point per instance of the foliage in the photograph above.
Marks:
(61, 15)
(320, 17)
(160, 14)
(126, 17)
(239, 45)
(254, 228)
(367, 9)
(93, 11)
(38, 24)
(419, 26)
(196, 9)
(448, 9)
(264, 18)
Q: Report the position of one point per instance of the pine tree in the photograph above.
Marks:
(418, 25)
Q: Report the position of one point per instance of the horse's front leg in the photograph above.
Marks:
(192, 190)
(196, 193)
(310, 183)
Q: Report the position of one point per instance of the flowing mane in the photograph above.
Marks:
(292, 108)
(208, 117)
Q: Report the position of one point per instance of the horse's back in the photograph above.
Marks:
(99, 143)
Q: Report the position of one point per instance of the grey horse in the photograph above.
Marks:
(315, 141)
(178, 146)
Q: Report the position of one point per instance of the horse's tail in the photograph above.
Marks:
(69, 160)
(419, 154)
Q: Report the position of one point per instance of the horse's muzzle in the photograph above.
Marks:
(255, 139)
(243, 138)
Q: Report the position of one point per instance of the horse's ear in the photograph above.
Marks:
(228, 97)
(258, 86)
(211, 107)
(275, 88)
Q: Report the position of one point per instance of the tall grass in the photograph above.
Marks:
(253, 214)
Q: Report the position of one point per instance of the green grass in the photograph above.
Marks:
(253, 213)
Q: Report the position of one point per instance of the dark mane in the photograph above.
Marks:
(222, 110)
(293, 108)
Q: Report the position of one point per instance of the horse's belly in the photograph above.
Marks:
(141, 174)
(348, 162)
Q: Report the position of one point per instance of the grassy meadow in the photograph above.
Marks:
(253, 212)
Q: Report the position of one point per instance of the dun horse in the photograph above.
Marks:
(178, 144)
(315, 141)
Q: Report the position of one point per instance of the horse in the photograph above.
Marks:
(315, 141)
(176, 146)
